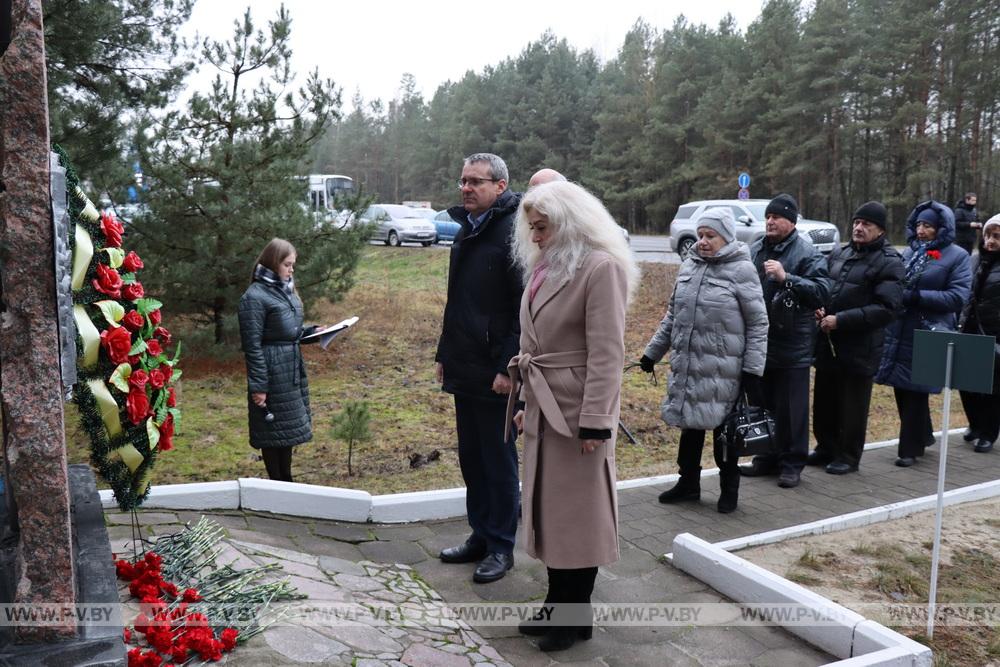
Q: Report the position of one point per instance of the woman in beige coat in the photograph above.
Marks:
(579, 273)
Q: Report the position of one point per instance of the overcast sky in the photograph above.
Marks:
(368, 45)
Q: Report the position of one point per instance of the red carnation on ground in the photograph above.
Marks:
(132, 263)
(228, 639)
(133, 321)
(191, 595)
(113, 230)
(117, 342)
(108, 281)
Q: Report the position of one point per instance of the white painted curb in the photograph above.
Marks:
(198, 496)
(418, 506)
(308, 500)
(327, 502)
(744, 582)
(866, 517)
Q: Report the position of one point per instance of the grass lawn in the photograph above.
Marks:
(387, 359)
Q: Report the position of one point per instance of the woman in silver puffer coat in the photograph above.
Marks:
(716, 331)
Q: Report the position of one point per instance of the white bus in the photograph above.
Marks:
(324, 189)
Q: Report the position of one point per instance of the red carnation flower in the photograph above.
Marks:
(179, 654)
(133, 321)
(191, 595)
(228, 639)
(113, 230)
(108, 281)
(137, 405)
(125, 570)
(154, 317)
(167, 434)
(117, 342)
(934, 254)
(132, 263)
(153, 347)
(126, 635)
(133, 291)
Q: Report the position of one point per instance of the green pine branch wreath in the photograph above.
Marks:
(125, 388)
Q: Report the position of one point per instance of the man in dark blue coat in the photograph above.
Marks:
(795, 282)
(479, 335)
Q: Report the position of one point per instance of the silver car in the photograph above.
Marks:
(394, 224)
(749, 217)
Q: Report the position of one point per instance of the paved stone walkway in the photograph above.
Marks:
(368, 564)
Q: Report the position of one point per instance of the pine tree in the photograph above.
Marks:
(108, 62)
(223, 181)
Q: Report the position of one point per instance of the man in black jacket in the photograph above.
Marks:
(865, 297)
(479, 335)
(966, 224)
(795, 283)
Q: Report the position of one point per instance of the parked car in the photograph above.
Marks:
(446, 227)
(394, 225)
(749, 216)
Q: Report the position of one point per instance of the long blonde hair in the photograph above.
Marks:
(579, 223)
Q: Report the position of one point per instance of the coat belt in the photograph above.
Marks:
(526, 366)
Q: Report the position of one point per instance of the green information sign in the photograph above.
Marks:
(972, 360)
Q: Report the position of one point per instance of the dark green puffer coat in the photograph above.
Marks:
(270, 329)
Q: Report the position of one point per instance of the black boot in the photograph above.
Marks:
(688, 487)
(562, 638)
(538, 625)
(729, 477)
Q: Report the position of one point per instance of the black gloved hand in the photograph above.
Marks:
(751, 385)
(911, 297)
(646, 364)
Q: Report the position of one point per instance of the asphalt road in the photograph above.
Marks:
(653, 249)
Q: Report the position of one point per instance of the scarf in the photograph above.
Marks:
(269, 277)
(915, 266)
(537, 278)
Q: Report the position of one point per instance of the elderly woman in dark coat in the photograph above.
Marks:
(270, 314)
(716, 329)
(981, 315)
(935, 286)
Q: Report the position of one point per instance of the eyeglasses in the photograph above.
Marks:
(475, 182)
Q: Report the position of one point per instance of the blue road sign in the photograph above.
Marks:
(743, 194)
(743, 180)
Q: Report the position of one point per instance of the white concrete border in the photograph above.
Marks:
(866, 517)
(843, 633)
(327, 502)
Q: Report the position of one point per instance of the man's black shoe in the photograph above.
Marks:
(467, 552)
(759, 468)
(789, 479)
(983, 446)
(840, 468)
(969, 436)
(493, 567)
(905, 461)
(815, 458)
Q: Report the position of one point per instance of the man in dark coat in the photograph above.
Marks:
(480, 334)
(864, 298)
(795, 282)
(966, 217)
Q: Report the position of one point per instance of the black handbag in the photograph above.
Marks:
(749, 430)
(784, 306)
